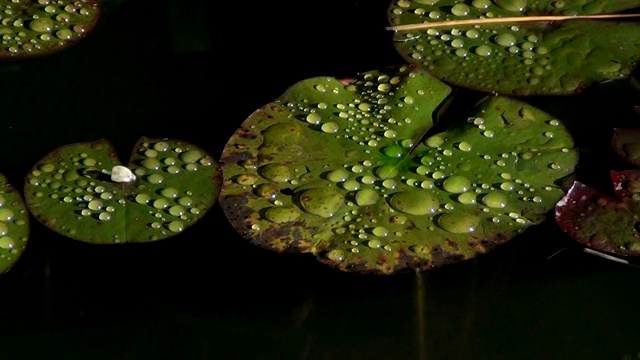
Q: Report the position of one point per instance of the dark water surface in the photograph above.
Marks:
(195, 70)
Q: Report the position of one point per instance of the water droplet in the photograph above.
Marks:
(483, 50)
(507, 186)
(367, 197)
(151, 163)
(512, 5)
(330, 127)
(481, 4)
(276, 172)
(434, 141)
(313, 118)
(495, 200)
(386, 171)
(460, 9)
(323, 202)
(464, 146)
(458, 223)
(351, 185)
(175, 226)
(380, 231)
(505, 39)
(488, 133)
(456, 184)
(7, 242)
(335, 255)
(281, 214)
(467, 198)
(160, 203)
(389, 184)
(393, 151)
(155, 178)
(414, 202)
(338, 175)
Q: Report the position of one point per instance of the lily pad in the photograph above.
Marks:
(602, 222)
(37, 27)
(83, 192)
(353, 172)
(14, 225)
(549, 56)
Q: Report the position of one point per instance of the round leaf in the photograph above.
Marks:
(83, 192)
(347, 170)
(518, 57)
(36, 27)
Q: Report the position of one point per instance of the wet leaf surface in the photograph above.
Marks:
(599, 221)
(528, 58)
(14, 225)
(83, 192)
(352, 171)
(37, 27)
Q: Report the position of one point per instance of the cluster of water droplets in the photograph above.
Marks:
(387, 192)
(13, 226)
(78, 184)
(29, 26)
(490, 55)
(166, 169)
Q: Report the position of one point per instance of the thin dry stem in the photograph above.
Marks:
(515, 19)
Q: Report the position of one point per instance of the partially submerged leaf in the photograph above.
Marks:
(518, 58)
(14, 225)
(37, 27)
(342, 169)
(83, 192)
(601, 222)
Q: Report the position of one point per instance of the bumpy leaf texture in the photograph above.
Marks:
(83, 192)
(518, 58)
(350, 170)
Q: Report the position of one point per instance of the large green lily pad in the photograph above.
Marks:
(351, 171)
(83, 192)
(36, 27)
(14, 225)
(518, 58)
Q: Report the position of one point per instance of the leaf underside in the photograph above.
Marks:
(602, 222)
(32, 28)
(520, 59)
(348, 170)
(70, 192)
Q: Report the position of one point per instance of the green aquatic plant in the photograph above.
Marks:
(83, 192)
(354, 172)
(518, 47)
(14, 225)
(602, 222)
(32, 28)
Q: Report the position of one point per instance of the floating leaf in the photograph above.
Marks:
(542, 48)
(83, 192)
(626, 143)
(14, 225)
(341, 169)
(37, 27)
(599, 221)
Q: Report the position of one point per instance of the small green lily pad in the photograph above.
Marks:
(36, 27)
(544, 57)
(14, 225)
(83, 192)
(351, 170)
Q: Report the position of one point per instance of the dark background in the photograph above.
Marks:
(195, 70)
